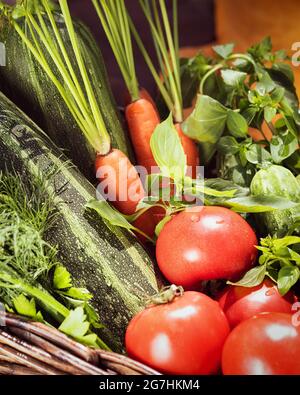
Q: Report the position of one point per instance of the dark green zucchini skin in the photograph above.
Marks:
(106, 260)
(27, 85)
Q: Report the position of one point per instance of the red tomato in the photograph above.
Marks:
(205, 243)
(185, 336)
(239, 303)
(268, 343)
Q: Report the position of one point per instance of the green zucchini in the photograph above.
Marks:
(27, 85)
(278, 181)
(106, 260)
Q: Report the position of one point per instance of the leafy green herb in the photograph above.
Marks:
(27, 307)
(279, 260)
(206, 124)
(61, 278)
(233, 77)
(253, 277)
(224, 51)
(228, 145)
(168, 151)
(77, 326)
(259, 204)
(30, 273)
(236, 124)
(283, 145)
(287, 277)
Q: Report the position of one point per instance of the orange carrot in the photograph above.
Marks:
(142, 118)
(121, 182)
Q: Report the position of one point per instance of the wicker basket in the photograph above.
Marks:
(32, 348)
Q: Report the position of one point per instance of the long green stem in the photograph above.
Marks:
(45, 40)
(150, 64)
(63, 49)
(114, 20)
(53, 306)
(167, 45)
(87, 83)
(207, 75)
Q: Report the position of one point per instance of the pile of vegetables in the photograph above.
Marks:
(229, 238)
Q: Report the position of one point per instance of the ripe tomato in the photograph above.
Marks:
(268, 343)
(205, 243)
(239, 303)
(185, 336)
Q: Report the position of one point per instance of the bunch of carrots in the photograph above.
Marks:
(141, 113)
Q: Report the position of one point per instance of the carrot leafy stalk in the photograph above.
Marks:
(70, 75)
(141, 114)
(166, 43)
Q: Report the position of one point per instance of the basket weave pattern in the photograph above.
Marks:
(32, 348)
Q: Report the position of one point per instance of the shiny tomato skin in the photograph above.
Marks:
(240, 303)
(266, 344)
(205, 243)
(185, 336)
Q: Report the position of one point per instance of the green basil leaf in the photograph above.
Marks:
(224, 50)
(168, 151)
(228, 145)
(207, 121)
(265, 84)
(287, 277)
(283, 145)
(256, 154)
(294, 256)
(259, 204)
(109, 214)
(281, 54)
(261, 50)
(269, 113)
(277, 95)
(226, 185)
(252, 278)
(233, 77)
(249, 114)
(285, 242)
(206, 125)
(161, 224)
(237, 124)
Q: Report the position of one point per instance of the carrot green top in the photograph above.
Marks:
(166, 42)
(42, 37)
(114, 19)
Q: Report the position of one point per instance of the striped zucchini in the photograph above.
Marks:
(108, 261)
(26, 84)
(279, 181)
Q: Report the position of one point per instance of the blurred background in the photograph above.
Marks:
(203, 22)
